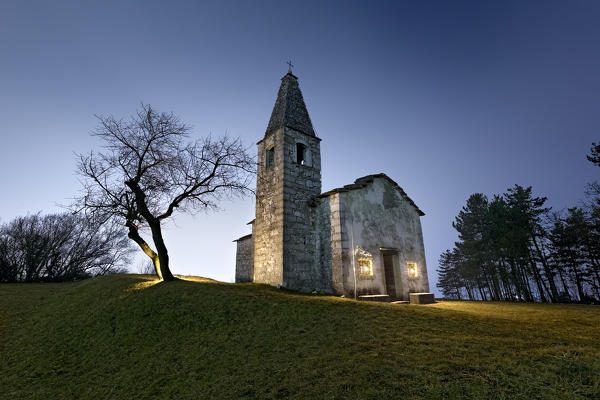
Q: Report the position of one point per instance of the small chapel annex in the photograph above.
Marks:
(361, 239)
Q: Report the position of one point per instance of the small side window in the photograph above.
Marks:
(270, 157)
(412, 270)
(300, 153)
(365, 268)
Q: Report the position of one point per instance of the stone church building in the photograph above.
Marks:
(364, 238)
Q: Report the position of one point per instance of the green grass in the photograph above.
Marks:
(125, 337)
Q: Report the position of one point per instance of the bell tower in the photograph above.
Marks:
(288, 180)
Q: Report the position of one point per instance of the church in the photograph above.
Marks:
(363, 239)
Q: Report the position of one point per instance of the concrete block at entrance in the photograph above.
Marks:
(375, 297)
(421, 298)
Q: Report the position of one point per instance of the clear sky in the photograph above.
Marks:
(447, 98)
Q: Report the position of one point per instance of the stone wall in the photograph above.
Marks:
(268, 224)
(321, 216)
(302, 183)
(336, 250)
(244, 259)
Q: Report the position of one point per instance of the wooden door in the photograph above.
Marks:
(390, 283)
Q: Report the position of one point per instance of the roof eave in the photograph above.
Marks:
(367, 180)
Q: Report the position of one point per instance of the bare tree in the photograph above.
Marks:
(149, 168)
(60, 247)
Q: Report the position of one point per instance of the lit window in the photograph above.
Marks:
(365, 267)
(413, 272)
(270, 156)
(300, 153)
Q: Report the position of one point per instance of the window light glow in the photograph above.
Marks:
(365, 266)
(413, 271)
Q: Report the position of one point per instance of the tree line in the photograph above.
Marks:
(514, 248)
(60, 247)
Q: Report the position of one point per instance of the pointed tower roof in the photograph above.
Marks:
(289, 109)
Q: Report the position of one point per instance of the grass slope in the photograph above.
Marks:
(125, 337)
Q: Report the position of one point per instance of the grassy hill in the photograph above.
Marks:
(126, 337)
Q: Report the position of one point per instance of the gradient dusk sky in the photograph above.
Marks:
(448, 98)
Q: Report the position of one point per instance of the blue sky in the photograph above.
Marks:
(447, 98)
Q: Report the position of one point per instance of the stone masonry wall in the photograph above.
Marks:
(336, 249)
(322, 232)
(268, 224)
(302, 183)
(244, 260)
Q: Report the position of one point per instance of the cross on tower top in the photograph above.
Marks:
(290, 65)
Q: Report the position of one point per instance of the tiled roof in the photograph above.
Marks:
(290, 110)
(243, 238)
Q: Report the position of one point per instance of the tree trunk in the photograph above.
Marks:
(594, 274)
(595, 265)
(578, 282)
(547, 272)
(491, 285)
(527, 285)
(495, 283)
(469, 292)
(539, 281)
(516, 282)
(158, 266)
(564, 284)
(154, 223)
(161, 249)
(506, 282)
(481, 291)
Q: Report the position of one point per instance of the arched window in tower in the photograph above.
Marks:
(270, 157)
(300, 153)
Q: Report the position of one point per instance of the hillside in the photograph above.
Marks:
(125, 337)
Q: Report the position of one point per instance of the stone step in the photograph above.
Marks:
(375, 297)
(421, 298)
